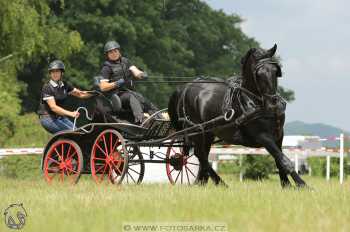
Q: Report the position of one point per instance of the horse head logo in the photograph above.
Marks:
(15, 216)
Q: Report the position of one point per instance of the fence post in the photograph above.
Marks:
(214, 165)
(310, 171)
(341, 159)
(296, 163)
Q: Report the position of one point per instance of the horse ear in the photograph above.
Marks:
(272, 50)
(279, 71)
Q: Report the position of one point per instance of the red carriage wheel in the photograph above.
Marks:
(63, 162)
(109, 157)
(182, 168)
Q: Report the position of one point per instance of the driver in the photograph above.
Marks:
(117, 78)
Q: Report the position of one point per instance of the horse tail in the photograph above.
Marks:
(172, 109)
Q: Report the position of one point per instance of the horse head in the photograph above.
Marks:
(260, 74)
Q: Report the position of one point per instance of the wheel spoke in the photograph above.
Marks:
(58, 154)
(192, 163)
(55, 161)
(110, 142)
(103, 173)
(134, 171)
(53, 170)
(131, 177)
(115, 145)
(104, 142)
(178, 176)
(109, 172)
(190, 171)
(101, 149)
(95, 158)
(68, 172)
(102, 166)
(133, 164)
(188, 179)
(70, 157)
(62, 148)
(114, 166)
(72, 170)
(68, 152)
(182, 172)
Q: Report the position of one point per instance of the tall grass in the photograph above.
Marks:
(247, 206)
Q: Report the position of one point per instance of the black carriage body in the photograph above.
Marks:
(86, 135)
(154, 133)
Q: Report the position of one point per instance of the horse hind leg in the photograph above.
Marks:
(205, 166)
(203, 174)
(216, 178)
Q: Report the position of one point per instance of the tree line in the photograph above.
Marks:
(165, 38)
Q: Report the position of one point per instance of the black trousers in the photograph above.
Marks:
(129, 101)
(147, 106)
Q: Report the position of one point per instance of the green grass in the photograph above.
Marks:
(247, 206)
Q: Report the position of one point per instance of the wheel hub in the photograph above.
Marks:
(178, 161)
(67, 164)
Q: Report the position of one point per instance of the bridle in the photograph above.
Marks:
(265, 96)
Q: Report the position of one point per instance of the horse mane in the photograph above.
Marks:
(246, 72)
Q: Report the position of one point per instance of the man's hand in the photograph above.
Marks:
(143, 76)
(80, 94)
(119, 83)
(74, 114)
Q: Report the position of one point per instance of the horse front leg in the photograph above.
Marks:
(284, 164)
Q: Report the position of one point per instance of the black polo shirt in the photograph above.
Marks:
(53, 90)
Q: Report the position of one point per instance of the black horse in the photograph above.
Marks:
(253, 110)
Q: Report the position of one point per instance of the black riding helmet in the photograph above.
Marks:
(56, 64)
(110, 45)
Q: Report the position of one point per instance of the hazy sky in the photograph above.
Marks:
(313, 39)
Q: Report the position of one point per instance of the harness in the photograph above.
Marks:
(239, 104)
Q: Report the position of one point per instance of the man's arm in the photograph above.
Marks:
(59, 110)
(80, 94)
(103, 83)
(137, 73)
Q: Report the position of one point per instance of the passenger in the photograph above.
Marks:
(52, 115)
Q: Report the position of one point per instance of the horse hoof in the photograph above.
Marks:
(222, 184)
(305, 187)
(286, 186)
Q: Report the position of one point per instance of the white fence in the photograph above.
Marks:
(234, 152)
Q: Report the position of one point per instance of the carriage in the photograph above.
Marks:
(248, 111)
(112, 152)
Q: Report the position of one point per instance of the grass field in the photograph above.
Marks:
(247, 206)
